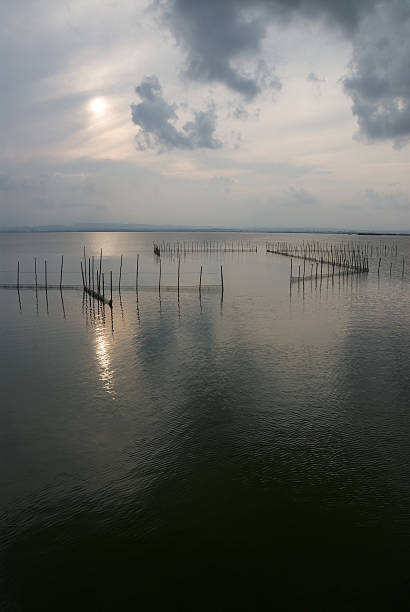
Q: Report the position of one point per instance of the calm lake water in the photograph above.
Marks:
(249, 450)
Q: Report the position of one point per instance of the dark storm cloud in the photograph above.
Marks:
(218, 37)
(214, 36)
(379, 78)
(156, 119)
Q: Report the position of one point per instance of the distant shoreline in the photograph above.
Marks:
(185, 229)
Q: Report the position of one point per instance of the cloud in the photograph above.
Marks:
(222, 183)
(216, 37)
(394, 200)
(156, 119)
(298, 196)
(313, 78)
(6, 183)
(379, 77)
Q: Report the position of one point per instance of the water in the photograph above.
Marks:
(240, 451)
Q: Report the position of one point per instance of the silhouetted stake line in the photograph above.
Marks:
(119, 278)
(61, 271)
(179, 267)
(222, 280)
(200, 280)
(111, 286)
(136, 273)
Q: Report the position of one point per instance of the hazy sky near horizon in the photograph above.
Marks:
(265, 113)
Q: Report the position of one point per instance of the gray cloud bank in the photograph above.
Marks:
(156, 119)
(219, 37)
(379, 79)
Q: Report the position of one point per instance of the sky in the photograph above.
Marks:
(270, 113)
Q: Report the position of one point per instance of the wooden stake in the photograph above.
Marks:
(82, 274)
(45, 274)
(111, 286)
(99, 276)
(179, 266)
(222, 280)
(18, 276)
(35, 271)
(85, 270)
(61, 271)
(200, 280)
(136, 273)
(119, 278)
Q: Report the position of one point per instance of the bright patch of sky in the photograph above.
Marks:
(273, 113)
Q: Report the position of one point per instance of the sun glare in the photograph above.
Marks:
(98, 106)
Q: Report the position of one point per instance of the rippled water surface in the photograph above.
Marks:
(239, 450)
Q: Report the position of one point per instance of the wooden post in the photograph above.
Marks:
(35, 271)
(85, 270)
(119, 278)
(136, 273)
(111, 285)
(18, 276)
(45, 274)
(222, 280)
(200, 280)
(82, 274)
(61, 271)
(92, 270)
(291, 267)
(179, 266)
(99, 275)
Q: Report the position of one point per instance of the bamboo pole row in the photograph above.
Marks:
(94, 283)
(318, 247)
(206, 246)
(331, 261)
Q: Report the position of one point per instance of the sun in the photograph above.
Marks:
(98, 106)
